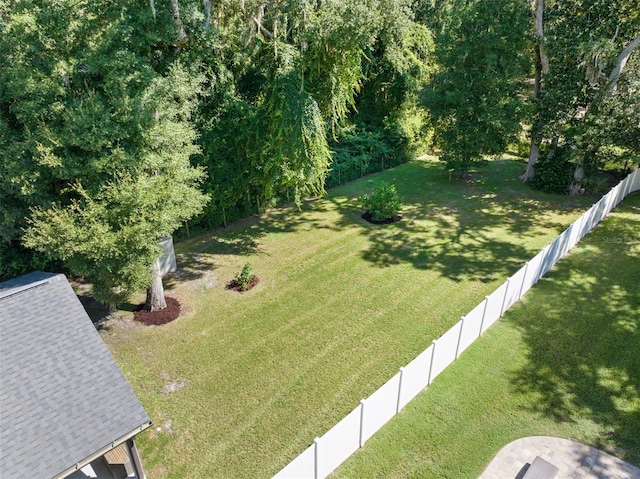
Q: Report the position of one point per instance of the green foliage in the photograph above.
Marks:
(412, 267)
(575, 106)
(244, 277)
(15, 260)
(383, 203)
(554, 173)
(97, 139)
(475, 99)
(358, 152)
(281, 93)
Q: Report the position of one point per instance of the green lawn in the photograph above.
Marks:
(564, 362)
(241, 384)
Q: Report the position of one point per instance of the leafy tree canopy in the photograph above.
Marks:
(97, 138)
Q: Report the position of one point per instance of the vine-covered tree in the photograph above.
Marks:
(588, 47)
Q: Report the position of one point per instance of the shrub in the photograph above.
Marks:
(245, 276)
(384, 202)
(553, 175)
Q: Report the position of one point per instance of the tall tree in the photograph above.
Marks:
(588, 44)
(541, 69)
(476, 97)
(282, 77)
(97, 166)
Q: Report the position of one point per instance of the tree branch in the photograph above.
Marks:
(262, 29)
(620, 64)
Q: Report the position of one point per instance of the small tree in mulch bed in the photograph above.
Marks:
(382, 206)
(162, 316)
(244, 280)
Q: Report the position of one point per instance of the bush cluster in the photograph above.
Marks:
(553, 175)
(384, 202)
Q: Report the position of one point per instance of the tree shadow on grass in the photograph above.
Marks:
(466, 230)
(583, 343)
(463, 229)
(242, 238)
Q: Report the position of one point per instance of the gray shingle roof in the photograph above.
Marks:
(62, 396)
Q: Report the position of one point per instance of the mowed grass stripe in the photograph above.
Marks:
(340, 307)
(563, 362)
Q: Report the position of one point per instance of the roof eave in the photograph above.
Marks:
(103, 451)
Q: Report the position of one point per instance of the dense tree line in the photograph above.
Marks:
(120, 121)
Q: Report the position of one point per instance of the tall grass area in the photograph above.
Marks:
(242, 383)
(564, 362)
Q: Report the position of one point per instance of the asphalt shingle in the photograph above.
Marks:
(62, 396)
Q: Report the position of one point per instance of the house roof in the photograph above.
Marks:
(62, 396)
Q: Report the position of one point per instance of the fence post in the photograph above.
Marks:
(433, 354)
(524, 277)
(460, 336)
(361, 421)
(484, 313)
(504, 299)
(399, 390)
(316, 443)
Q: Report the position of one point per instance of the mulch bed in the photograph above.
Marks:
(367, 217)
(157, 318)
(233, 285)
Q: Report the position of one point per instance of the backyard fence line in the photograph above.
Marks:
(329, 451)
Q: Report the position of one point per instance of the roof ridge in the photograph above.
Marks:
(20, 288)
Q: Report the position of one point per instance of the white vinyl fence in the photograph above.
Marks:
(329, 451)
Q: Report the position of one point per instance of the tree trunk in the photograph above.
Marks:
(155, 292)
(542, 68)
(207, 13)
(175, 10)
(620, 64)
(578, 175)
(152, 4)
(534, 154)
(542, 49)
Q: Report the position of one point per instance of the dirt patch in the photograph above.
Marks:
(157, 318)
(367, 217)
(233, 285)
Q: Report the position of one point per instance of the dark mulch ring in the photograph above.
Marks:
(233, 285)
(367, 217)
(156, 318)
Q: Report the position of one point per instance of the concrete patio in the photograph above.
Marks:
(574, 460)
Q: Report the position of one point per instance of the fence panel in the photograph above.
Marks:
(515, 287)
(563, 240)
(600, 212)
(445, 351)
(470, 328)
(415, 376)
(588, 223)
(495, 301)
(302, 467)
(339, 443)
(533, 271)
(635, 181)
(616, 195)
(574, 235)
(627, 186)
(553, 252)
(380, 407)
